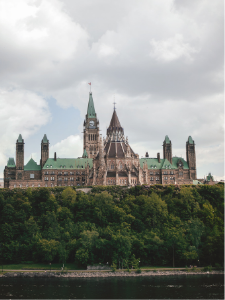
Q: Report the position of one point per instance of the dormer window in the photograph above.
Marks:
(47, 166)
(51, 166)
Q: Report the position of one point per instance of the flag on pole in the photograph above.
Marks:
(89, 83)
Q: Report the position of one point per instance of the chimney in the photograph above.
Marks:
(158, 157)
(55, 156)
(146, 154)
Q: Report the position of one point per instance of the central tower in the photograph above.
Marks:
(91, 130)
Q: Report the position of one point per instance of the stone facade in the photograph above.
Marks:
(107, 161)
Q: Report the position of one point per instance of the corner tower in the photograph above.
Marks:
(91, 130)
(44, 150)
(20, 153)
(167, 149)
(191, 157)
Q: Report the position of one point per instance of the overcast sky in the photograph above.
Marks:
(162, 62)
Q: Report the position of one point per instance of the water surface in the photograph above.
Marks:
(150, 287)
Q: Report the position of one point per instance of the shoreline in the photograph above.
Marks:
(104, 274)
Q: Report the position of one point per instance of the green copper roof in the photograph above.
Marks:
(167, 140)
(190, 141)
(195, 182)
(45, 140)
(32, 166)
(175, 162)
(85, 154)
(153, 163)
(91, 109)
(11, 163)
(209, 177)
(68, 163)
(20, 139)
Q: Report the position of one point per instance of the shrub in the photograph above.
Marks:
(138, 271)
(208, 268)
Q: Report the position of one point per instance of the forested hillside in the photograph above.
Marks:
(158, 226)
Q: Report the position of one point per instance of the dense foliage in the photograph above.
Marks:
(158, 225)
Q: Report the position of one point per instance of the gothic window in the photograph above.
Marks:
(65, 173)
(180, 173)
(151, 173)
(14, 185)
(171, 172)
(65, 179)
(78, 178)
(19, 176)
(26, 185)
(151, 178)
(165, 178)
(121, 166)
(32, 185)
(45, 147)
(46, 185)
(83, 179)
(112, 166)
(31, 176)
(20, 148)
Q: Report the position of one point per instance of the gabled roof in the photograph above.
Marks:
(175, 162)
(68, 163)
(167, 140)
(115, 121)
(32, 166)
(190, 141)
(20, 139)
(45, 139)
(91, 109)
(153, 163)
(11, 163)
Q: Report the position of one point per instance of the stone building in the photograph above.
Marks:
(107, 161)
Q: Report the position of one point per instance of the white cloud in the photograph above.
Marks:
(21, 112)
(171, 49)
(70, 147)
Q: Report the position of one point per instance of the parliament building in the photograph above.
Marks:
(107, 161)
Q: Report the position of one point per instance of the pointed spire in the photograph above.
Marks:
(167, 140)
(91, 109)
(20, 139)
(190, 140)
(115, 120)
(45, 140)
(85, 155)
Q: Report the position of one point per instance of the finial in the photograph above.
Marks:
(114, 103)
(90, 86)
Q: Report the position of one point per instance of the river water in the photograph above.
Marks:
(149, 287)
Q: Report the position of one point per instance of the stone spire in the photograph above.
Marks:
(91, 109)
(115, 131)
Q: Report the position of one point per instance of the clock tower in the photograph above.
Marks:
(91, 130)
